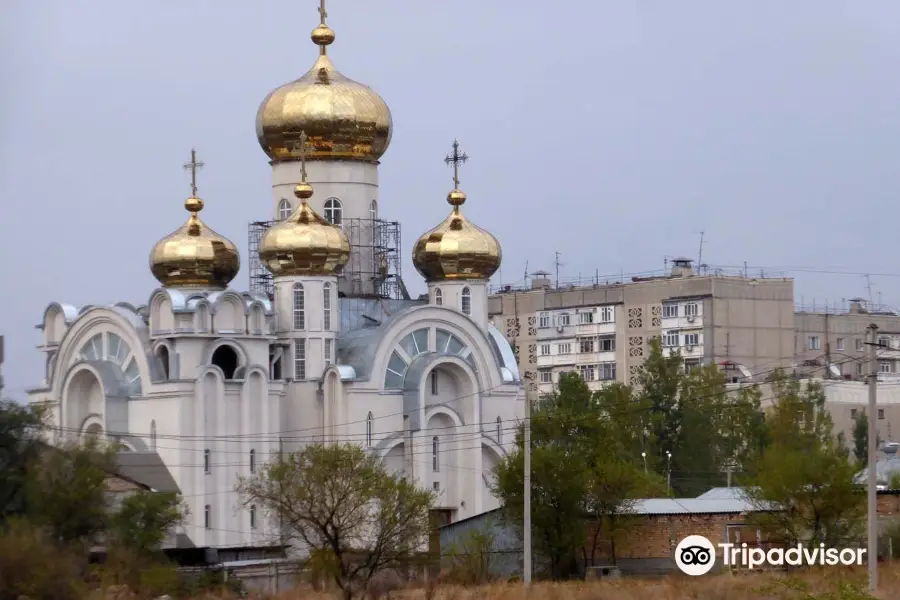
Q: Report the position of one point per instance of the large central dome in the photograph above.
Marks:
(343, 119)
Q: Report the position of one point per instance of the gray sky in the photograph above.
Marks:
(610, 131)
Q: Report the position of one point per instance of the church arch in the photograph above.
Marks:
(334, 211)
(55, 322)
(83, 401)
(373, 210)
(466, 301)
(284, 209)
(226, 357)
(162, 317)
(165, 359)
(257, 319)
(230, 313)
(202, 317)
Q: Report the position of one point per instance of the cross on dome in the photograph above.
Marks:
(193, 166)
(456, 160)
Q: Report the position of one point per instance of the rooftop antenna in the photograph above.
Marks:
(869, 287)
(700, 253)
(526, 274)
(558, 265)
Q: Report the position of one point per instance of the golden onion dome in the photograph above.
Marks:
(344, 119)
(194, 256)
(457, 249)
(304, 243)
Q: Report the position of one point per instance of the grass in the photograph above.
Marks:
(821, 584)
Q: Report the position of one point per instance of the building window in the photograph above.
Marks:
(884, 342)
(545, 349)
(606, 344)
(586, 318)
(252, 516)
(434, 383)
(670, 311)
(370, 422)
(334, 211)
(326, 306)
(852, 413)
(207, 462)
(690, 309)
(586, 345)
(327, 351)
(207, 516)
(546, 376)
(153, 435)
(373, 210)
(859, 345)
(884, 366)
(691, 339)
(564, 348)
(299, 307)
(438, 297)
(607, 314)
(544, 320)
(586, 372)
(499, 430)
(691, 364)
(563, 319)
(859, 368)
(607, 371)
(284, 209)
(812, 342)
(670, 339)
(881, 414)
(299, 360)
(253, 461)
(435, 452)
(466, 301)
(840, 344)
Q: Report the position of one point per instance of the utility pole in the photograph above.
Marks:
(557, 270)
(873, 481)
(827, 347)
(526, 567)
(668, 473)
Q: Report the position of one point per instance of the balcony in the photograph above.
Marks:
(555, 360)
(556, 332)
(591, 329)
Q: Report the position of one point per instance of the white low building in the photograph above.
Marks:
(216, 381)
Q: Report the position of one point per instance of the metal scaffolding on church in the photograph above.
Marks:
(374, 268)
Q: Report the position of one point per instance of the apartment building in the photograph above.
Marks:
(603, 331)
(830, 342)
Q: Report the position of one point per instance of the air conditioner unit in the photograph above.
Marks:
(690, 319)
(559, 328)
(689, 348)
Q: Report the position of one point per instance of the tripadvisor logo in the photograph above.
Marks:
(696, 555)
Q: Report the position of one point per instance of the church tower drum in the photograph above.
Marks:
(348, 128)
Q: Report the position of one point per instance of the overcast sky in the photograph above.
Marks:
(612, 131)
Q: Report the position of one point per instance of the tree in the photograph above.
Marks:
(341, 502)
(143, 520)
(20, 446)
(585, 466)
(66, 491)
(803, 487)
(861, 439)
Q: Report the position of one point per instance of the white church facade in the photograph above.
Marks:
(216, 382)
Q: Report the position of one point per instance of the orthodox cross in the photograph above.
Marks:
(322, 12)
(456, 159)
(193, 166)
(300, 146)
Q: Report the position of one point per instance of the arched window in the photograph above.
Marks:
(466, 301)
(202, 318)
(499, 431)
(435, 450)
(284, 209)
(373, 210)
(207, 461)
(252, 516)
(299, 307)
(326, 306)
(226, 358)
(438, 297)
(153, 435)
(369, 426)
(334, 211)
(253, 461)
(163, 353)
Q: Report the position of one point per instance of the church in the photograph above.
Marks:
(325, 347)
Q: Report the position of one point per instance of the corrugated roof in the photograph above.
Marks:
(691, 506)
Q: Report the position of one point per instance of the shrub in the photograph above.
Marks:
(32, 566)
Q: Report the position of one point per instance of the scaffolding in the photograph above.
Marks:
(373, 270)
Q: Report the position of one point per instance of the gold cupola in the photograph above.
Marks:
(194, 256)
(343, 119)
(304, 243)
(457, 249)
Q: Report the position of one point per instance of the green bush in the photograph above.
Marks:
(32, 566)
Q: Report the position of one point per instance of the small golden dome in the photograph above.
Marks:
(304, 243)
(344, 119)
(194, 256)
(457, 248)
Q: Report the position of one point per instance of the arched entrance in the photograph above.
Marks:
(84, 398)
